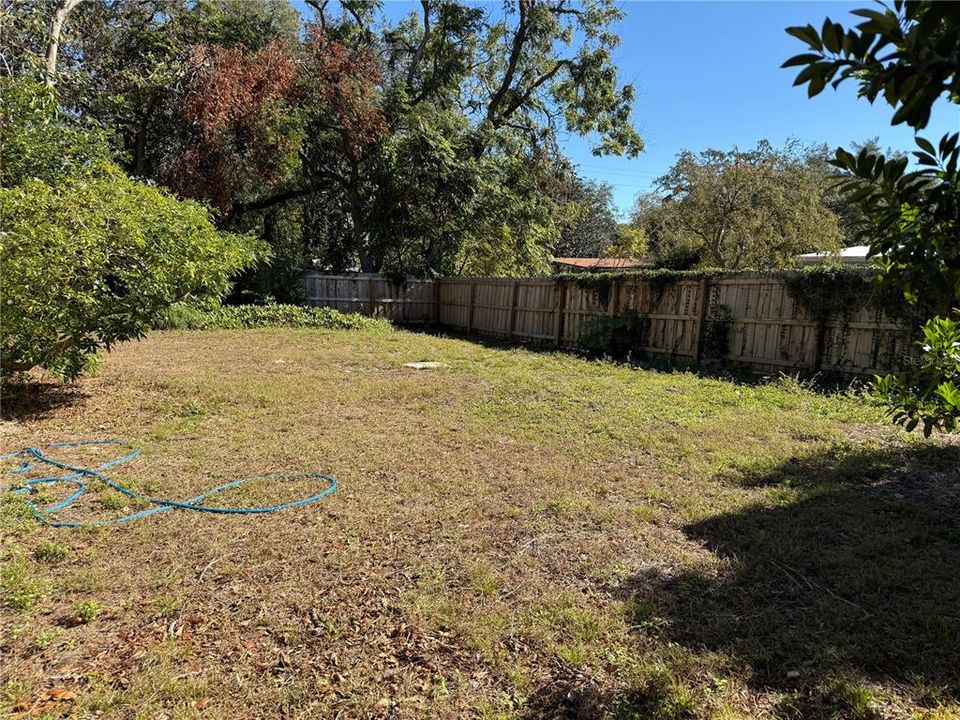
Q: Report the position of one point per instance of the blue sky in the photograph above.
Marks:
(707, 74)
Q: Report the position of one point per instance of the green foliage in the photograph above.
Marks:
(655, 275)
(91, 261)
(908, 54)
(85, 612)
(852, 700)
(717, 332)
(279, 278)
(38, 141)
(585, 214)
(18, 588)
(735, 210)
(467, 106)
(930, 398)
(628, 242)
(50, 551)
(620, 336)
(183, 316)
(915, 216)
(825, 293)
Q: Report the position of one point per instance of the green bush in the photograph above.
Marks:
(88, 257)
(40, 142)
(91, 261)
(930, 397)
(183, 316)
(620, 336)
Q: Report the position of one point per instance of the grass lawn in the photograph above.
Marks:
(516, 535)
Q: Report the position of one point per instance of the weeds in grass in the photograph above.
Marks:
(483, 578)
(663, 544)
(46, 638)
(18, 587)
(656, 694)
(111, 499)
(84, 580)
(12, 691)
(85, 611)
(50, 552)
(168, 605)
(851, 701)
(940, 713)
(646, 513)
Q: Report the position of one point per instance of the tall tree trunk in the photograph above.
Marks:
(64, 8)
(361, 238)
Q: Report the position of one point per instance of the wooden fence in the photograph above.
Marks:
(747, 320)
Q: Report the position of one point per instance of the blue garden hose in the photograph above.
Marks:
(31, 456)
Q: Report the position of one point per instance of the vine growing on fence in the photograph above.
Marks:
(622, 337)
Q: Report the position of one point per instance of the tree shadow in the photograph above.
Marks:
(824, 383)
(35, 400)
(858, 576)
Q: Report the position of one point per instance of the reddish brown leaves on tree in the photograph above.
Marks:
(346, 82)
(229, 107)
(243, 112)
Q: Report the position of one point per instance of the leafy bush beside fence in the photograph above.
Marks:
(237, 317)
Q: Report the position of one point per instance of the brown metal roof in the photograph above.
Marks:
(604, 263)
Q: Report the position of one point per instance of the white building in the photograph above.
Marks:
(855, 255)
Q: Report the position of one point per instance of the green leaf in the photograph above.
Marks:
(807, 34)
(802, 59)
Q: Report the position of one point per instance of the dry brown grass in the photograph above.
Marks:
(515, 535)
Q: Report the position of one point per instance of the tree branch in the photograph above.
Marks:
(418, 55)
(520, 100)
(319, 6)
(280, 197)
(519, 39)
(60, 13)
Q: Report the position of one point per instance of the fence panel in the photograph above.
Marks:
(749, 320)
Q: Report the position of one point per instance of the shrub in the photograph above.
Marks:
(40, 142)
(236, 317)
(91, 261)
(930, 397)
(620, 336)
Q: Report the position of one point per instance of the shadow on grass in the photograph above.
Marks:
(857, 577)
(822, 382)
(35, 400)
(853, 577)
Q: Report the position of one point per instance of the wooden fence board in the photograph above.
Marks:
(764, 328)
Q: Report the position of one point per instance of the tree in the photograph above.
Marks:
(908, 53)
(735, 209)
(89, 257)
(587, 219)
(238, 137)
(418, 146)
(629, 242)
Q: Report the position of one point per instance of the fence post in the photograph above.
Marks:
(819, 347)
(436, 301)
(558, 317)
(513, 308)
(613, 301)
(371, 296)
(704, 308)
(473, 292)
